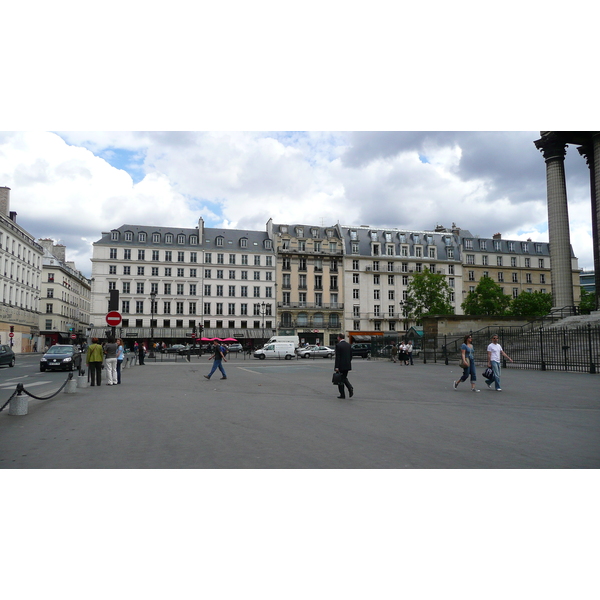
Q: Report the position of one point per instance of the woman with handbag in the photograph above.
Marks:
(467, 362)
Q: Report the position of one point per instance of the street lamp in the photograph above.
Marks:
(262, 314)
(152, 300)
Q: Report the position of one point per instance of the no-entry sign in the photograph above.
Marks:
(113, 318)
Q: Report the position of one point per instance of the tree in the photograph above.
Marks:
(487, 299)
(587, 303)
(531, 304)
(427, 293)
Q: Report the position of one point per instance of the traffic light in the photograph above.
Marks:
(12, 328)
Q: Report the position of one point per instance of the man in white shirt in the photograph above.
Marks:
(495, 351)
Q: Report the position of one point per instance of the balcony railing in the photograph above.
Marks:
(310, 306)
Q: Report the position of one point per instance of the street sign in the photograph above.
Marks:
(113, 318)
(73, 336)
(11, 334)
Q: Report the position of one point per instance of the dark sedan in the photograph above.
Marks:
(7, 356)
(61, 356)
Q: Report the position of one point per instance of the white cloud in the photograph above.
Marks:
(241, 179)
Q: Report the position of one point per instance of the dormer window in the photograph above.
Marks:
(482, 244)
(315, 233)
(402, 238)
(142, 237)
(169, 238)
(114, 236)
(268, 245)
(469, 244)
(283, 228)
(181, 238)
(353, 234)
(156, 238)
(299, 231)
(416, 238)
(388, 237)
(194, 240)
(243, 242)
(219, 240)
(373, 236)
(525, 246)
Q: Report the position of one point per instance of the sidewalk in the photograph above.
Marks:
(285, 414)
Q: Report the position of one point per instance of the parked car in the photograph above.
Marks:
(7, 356)
(191, 350)
(316, 351)
(61, 356)
(235, 348)
(362, 350)
(174, 349)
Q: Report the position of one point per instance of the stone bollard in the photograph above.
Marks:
(19, 405)
(71, 386)
(82, 381)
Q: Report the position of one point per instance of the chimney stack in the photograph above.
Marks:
(5, 201)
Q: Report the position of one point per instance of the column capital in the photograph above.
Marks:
(587, 151)
(552, 146)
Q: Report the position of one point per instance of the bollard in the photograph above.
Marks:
(19, 404)
(82, 381)
(71, 386)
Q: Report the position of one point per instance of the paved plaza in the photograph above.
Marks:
(286, 415)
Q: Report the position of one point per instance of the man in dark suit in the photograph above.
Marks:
(343, 364)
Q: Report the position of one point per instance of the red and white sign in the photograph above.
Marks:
(73, 336)
(11, 334)
(113, 318)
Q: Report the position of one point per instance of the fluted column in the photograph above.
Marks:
(591, 152)
(553, 148)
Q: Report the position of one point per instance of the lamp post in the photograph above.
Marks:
(262, 314)
(152, 300)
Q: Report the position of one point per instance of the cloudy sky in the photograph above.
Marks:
(71, 186)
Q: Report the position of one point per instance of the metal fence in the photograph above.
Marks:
(543, 349)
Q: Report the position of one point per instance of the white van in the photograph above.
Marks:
(294, 339)
(284, 350)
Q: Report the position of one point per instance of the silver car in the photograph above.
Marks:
(316, 351)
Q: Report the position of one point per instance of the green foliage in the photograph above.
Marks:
(487, 299)
(427, 293)
(587, 303)
(531, 304)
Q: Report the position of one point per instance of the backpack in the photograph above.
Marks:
(223, 351)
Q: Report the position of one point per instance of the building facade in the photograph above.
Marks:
(378, 266)
(516, 266)
(310, 291)
(65, 298)
(176, 285)
(20, 276)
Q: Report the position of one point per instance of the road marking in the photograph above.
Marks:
(33, 384)
(250, 371)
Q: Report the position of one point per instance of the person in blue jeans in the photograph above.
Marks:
(495, 352)
(218, 358)
(468, 355)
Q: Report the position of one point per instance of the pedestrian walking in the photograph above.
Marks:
(343, 364)
(218, 357)
(403, 355)
(495, 351)
(120, 358)
(409, 351)
(110, 352)
(467, 352)
(394, 353)
(93, 359)
(141, 353)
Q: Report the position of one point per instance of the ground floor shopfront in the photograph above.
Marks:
(19, 328)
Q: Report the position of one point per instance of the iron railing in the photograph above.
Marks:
(557, 349)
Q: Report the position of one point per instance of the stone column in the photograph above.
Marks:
(553, 147)
(591, 152)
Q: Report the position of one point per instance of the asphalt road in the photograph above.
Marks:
(285, 414)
